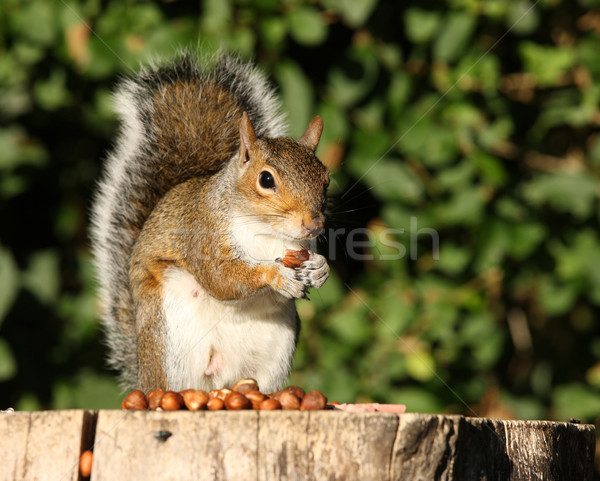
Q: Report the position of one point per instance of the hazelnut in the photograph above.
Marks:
(269, 405)
(154, 398)
(85, 463)
(275, 395)
(255, 397)
(294, 259)
(289, 401)
(182, 392)
(245, 385)
(213, 393)
(135, 400)
(236, 401)
(195, 400)
(215, 404)
(313, 401)
(222, 394)
(298, 391)
(171, 401)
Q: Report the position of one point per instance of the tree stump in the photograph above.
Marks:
(291, 445)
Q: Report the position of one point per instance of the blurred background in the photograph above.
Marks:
(472, 122)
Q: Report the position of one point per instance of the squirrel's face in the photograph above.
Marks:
(283, 183)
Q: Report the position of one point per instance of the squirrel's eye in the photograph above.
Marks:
(266, 180)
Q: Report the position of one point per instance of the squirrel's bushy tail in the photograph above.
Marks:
(178, 121)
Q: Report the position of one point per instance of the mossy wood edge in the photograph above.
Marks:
(290, 445)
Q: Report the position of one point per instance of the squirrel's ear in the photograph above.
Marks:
(247, 138)
(311, 137)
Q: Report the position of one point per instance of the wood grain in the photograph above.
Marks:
(43, 445)
(291, 445)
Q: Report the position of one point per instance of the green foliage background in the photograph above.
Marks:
(476, 119)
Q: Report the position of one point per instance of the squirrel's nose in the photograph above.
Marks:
(313, 226)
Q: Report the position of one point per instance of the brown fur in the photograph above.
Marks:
(189, 229)
(170, 190)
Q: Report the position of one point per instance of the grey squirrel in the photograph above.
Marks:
(199, 200)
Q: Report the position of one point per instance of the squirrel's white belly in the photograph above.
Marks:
(211, 344)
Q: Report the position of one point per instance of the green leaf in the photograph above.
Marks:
(354, 12)
(35, 20)
(579, 258)
(554, 298)
(463, 208)
(420, 365)
(490, 168)
(307, 26)
(415, 139)
(496, 133)
(28, 402)
(456, 177)
(9, 282)
(8, 365)
(94, 391)
(273, 31)
(330, 294)
(548, 64)
(42, 276)
(335, 123)
(396, 313)
(17, 149)
(417, 400)
(453, 258)
(493, 241)
(525, 238)
(216, 15)
(350, 326)
(522, 17)
(297, 96)
(353, 77)
(454, 36)
(524, 407)
(578, 401)
(52, 92)
(390, 180)
(421, 25)
(572, 193)
(366, 149)
(399, 93)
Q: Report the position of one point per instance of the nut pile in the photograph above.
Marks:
(244, 394)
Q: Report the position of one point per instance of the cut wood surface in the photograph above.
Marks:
(41, 446)
(291, 445)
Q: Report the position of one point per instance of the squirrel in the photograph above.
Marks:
(200, 198)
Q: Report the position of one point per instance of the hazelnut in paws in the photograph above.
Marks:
(294, 259)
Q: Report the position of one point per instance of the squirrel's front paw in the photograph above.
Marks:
(289, 282)
(294, 282)
(313, 272)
